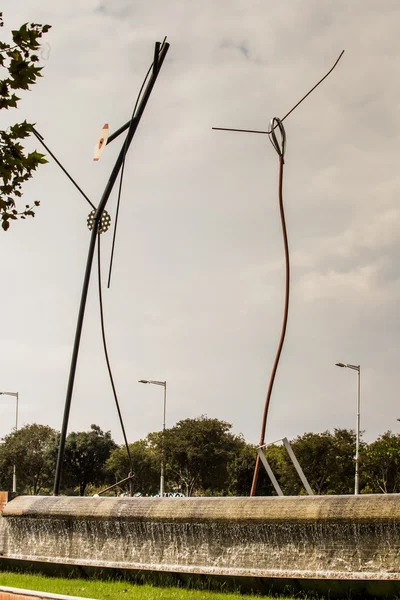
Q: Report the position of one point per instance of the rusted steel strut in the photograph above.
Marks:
(276, 124)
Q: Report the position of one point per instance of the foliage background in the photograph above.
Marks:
(202, 457)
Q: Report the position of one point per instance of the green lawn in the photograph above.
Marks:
(95, 588)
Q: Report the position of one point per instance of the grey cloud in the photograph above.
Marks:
(197, 288)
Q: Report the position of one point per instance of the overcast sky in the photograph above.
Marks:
(198, 279)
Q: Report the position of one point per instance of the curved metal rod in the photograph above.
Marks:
(154, 64)
(285, 317)
(103, 337)
(290, 111)
(121, 180)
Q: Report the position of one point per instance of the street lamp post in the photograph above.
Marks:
(357, 457)
(164, 384)
(15, 394)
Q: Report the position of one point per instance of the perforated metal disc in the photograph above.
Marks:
(104, 223)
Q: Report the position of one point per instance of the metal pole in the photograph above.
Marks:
(162, 441)
(106, 194)
(110, 487)
(14, 484)
(74, 359)
(357, 480)
(357, 456)
(16, 414)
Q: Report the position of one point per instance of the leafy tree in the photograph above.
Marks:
(327, 461)
(6, 468)
(19, 64)
(146, 467)
(197, 453)
(33, 450)
(380, 463)
(86, 454)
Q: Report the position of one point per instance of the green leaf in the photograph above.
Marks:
(20, 62)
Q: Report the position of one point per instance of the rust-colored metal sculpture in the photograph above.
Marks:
(280, 147)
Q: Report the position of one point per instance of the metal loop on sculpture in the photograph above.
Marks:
(279, 147)
(104, 223)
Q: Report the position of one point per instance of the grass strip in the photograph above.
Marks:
(106, 590)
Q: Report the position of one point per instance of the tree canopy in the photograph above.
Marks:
(33, 450)
(86, 453)
(327, 460)
(197, 454)
(381, 464)
(146, 467)
(202, 456)
(19, 63)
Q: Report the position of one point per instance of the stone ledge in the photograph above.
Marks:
(367, 508)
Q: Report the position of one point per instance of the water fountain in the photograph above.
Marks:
(333, 540)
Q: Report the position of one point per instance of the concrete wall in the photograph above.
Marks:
(320, 537)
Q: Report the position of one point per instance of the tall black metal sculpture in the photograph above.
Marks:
(98, 222)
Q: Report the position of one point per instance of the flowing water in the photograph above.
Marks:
(215, 536)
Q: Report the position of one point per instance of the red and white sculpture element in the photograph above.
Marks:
(101, 142)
